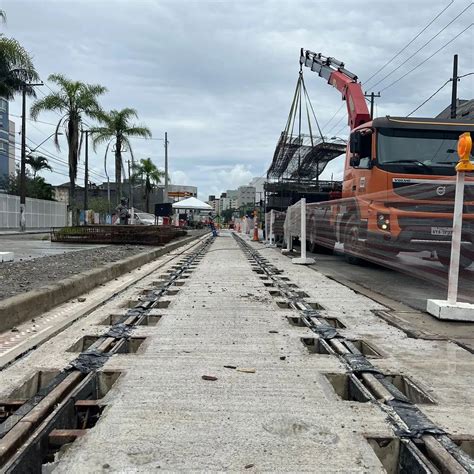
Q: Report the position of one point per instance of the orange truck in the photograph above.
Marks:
(399, 181)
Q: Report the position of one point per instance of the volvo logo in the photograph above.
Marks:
(441, 190)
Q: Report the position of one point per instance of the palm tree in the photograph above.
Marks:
(74, 101)
(118, 128)
(38, 163)
(16, 66)
(147, 172)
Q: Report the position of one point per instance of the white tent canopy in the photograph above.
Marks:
(192, 203)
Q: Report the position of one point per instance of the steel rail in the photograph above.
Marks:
(33, 421)
(440, 448)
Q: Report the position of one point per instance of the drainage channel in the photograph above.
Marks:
(43, 415)
(419, 445)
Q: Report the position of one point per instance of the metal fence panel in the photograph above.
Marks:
(40, 214)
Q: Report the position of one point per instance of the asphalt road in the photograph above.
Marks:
(29, 249)
(410, 278)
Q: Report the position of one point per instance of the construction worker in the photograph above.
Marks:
(123, 212)
(212, 225)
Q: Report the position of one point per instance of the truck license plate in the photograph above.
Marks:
(447, 231)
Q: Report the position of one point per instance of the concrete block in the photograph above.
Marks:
(6, 256)
(441, 309)
(303, 261)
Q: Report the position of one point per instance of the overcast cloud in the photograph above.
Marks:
(219, 76)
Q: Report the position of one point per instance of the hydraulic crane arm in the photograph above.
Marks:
(343, 80)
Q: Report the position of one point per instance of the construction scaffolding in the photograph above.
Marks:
(303, 156)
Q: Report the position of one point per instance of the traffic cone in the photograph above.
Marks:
(255, 229)
(255, 234)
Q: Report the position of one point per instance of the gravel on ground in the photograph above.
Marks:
(20, 277)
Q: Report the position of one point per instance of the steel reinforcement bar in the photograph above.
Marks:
(410, 425)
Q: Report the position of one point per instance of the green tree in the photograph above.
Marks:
(38, 163)
(73, 101)
(147, 172)
(36, 187)
(227, 214)
(117, 128)
(16, 66)
(99, 204)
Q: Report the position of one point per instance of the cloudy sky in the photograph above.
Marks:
(219, 76)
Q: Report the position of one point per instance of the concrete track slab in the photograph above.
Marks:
(282, 417)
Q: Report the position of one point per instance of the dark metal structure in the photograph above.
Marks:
(117, 234)
(303, 156)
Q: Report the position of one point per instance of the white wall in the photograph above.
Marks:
(40, 214)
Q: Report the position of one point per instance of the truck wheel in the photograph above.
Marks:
(352, 244)
(316, 248)
(444, 257)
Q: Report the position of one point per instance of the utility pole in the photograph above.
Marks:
(130, 198)
(454, 94)
(86, 173)
(23, 156)
(108, 193)
(166, 167)
(372, 96)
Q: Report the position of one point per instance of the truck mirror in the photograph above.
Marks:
(354, 161)
(355, 142)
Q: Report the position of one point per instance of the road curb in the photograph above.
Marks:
(20, 308)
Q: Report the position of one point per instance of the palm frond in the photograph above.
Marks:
(16, 68)
(99, 135)
(138, 131)
(56, 132)
(51, 102)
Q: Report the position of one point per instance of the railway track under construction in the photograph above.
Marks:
(32, 430)
(227, 357)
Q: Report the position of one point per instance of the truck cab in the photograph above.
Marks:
(399, 184)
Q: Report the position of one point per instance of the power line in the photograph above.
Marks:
(428, 58)
(410, 42)
(335, 113)
(35, 121)
(422, 47)
(54, 171)
(429, 98)
(55, 158)
(336, 124)
(438, 90)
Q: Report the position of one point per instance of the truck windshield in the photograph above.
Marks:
(422, 148)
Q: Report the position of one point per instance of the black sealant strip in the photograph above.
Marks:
(92, 360)
(415, 422)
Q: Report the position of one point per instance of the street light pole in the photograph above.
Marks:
(166, 167)
(86, 172)
(23, 156)
(23, 161)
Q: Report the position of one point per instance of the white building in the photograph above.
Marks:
(226, 203)
(232, 193)
(11, 147)
(245, 195)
